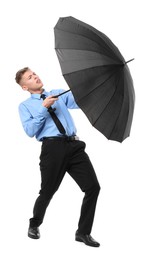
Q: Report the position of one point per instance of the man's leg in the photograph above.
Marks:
(53, 168)
(83, 173)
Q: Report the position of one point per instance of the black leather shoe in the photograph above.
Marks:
(33, 232)
(87, 239)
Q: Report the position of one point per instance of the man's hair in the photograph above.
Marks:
(19, 74)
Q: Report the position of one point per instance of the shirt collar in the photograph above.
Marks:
(38, 96)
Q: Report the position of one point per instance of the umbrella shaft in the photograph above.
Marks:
(61, 93)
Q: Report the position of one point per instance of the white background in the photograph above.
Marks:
(123, 221)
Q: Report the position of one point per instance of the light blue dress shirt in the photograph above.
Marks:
(37, 121)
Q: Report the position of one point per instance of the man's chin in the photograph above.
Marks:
(41, 87)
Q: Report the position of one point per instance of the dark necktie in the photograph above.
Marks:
(55, 118)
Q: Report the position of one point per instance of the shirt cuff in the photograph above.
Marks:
(43, 111)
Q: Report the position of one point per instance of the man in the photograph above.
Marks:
(61, 152)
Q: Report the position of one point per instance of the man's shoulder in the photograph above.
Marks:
(26, 101)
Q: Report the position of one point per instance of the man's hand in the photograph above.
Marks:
(49, 101)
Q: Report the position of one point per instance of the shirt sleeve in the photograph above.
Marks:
(32, 125)
(69, 100)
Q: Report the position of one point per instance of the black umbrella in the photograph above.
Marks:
(97, 75)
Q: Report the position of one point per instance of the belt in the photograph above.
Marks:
(62, 138)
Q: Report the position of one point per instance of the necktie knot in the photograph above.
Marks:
(43, 96)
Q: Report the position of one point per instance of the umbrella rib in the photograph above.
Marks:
(81, 36)
(93, 40)
(120, 110)
(96, 32)
(116, 122)
(117, 119)
(77, 50)
(107, 104)
(97, 85)
(90, 51)
(118, 65)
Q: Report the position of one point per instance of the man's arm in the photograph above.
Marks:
(69, 100)
(32, 125)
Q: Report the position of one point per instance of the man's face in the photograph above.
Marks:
(31, 82)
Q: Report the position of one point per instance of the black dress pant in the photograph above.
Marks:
(58, 157)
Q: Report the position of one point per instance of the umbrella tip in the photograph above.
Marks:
(129, 61)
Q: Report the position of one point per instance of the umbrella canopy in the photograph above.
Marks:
(97, 75)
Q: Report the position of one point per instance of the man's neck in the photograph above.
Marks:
(37, 92)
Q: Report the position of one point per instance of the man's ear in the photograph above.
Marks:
(24, 87)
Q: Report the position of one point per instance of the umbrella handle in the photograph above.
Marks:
(61, 93)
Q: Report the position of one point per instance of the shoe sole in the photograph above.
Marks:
(87, 244)
(33, 237)
(79, 240)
